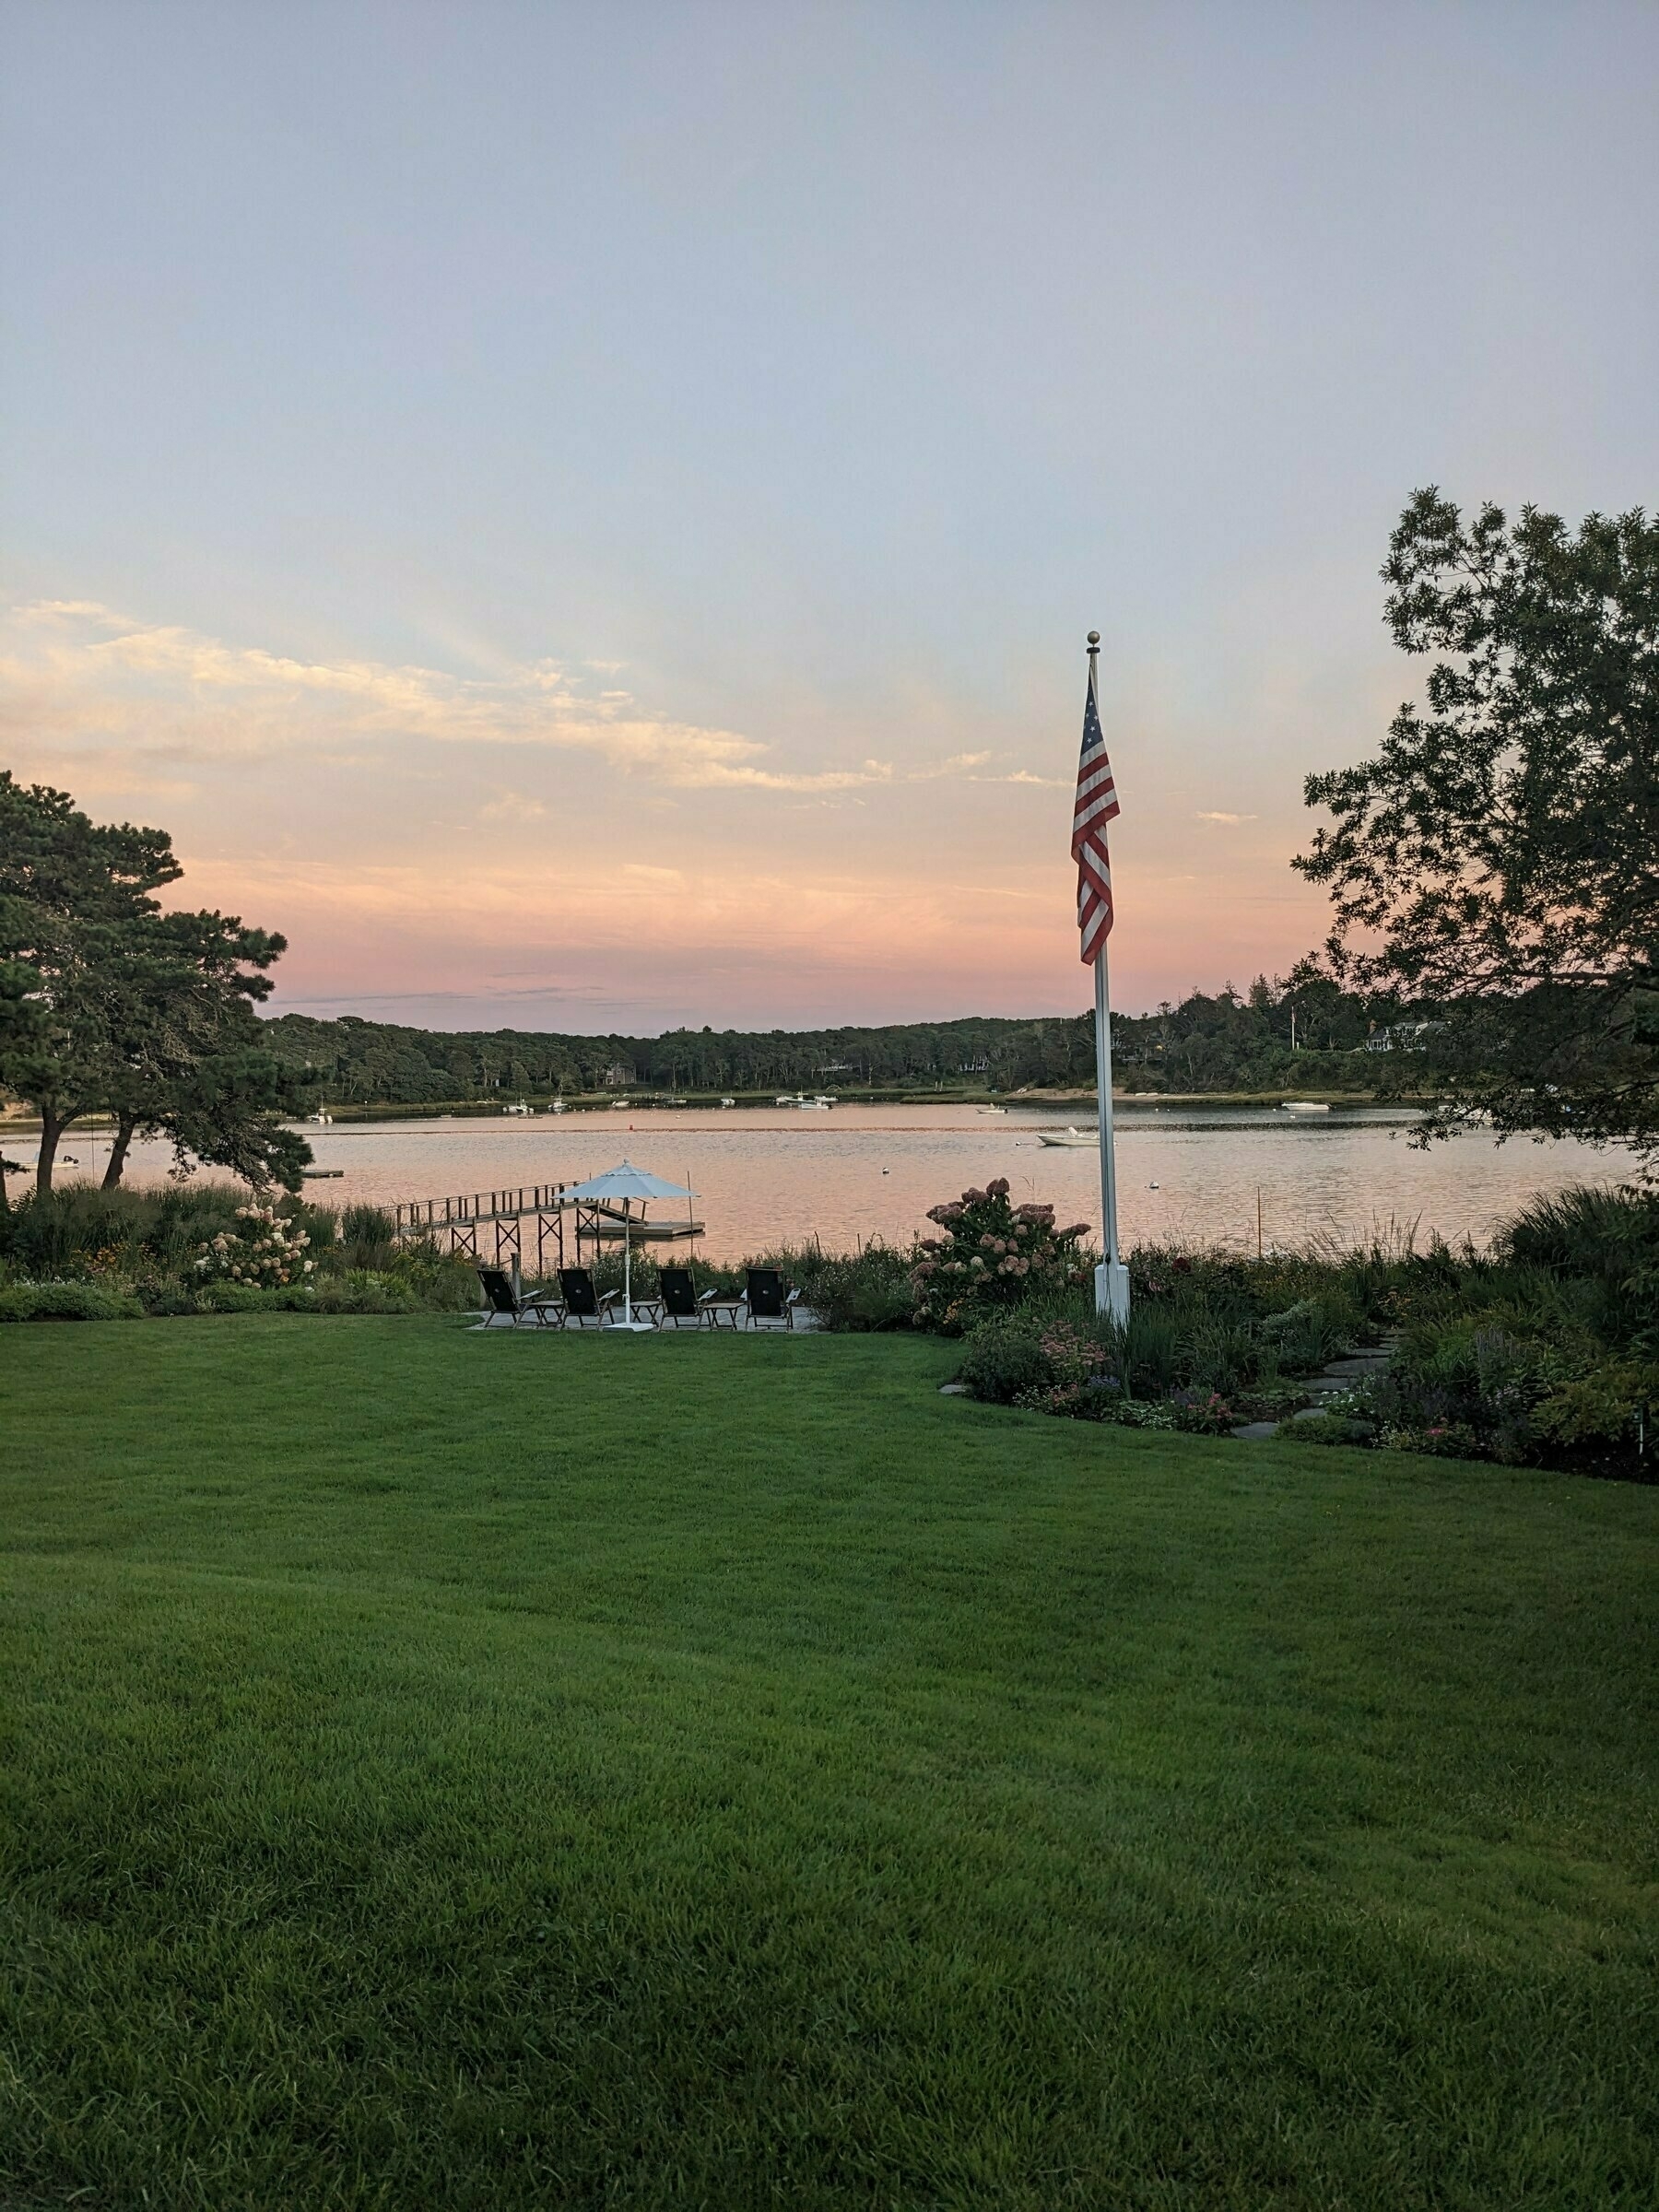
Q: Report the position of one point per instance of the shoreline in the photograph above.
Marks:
(590, 1102)
(479, 1110)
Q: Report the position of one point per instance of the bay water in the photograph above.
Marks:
(780, 1176)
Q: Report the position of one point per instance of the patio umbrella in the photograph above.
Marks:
(622, 1183)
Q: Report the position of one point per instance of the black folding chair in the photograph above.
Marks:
(499, 1292)
(770, 1298)
(676, 1298)
(582, 1303)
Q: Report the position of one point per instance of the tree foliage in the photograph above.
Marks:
(1304, 1028)
(1500, 856)
(108, 1004)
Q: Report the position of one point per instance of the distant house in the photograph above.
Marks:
(618, 1076)
(981, 1067)
(1402, 1036)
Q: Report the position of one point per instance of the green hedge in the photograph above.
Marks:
(67, 1301)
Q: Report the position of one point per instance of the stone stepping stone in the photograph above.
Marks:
(1338, 1375)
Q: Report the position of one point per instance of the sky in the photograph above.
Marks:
(586, 517)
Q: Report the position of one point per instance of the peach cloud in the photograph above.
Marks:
(159, 693)
(412, 829)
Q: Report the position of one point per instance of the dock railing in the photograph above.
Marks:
(492, 1228)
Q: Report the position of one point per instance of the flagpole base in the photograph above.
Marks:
(1112, 1292)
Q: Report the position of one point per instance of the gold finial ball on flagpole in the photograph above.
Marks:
(1094, 637)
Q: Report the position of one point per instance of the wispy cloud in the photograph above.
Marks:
(1229, 821)
(513, 806)
(155, 695)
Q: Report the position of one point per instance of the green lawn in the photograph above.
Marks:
(666, 1772)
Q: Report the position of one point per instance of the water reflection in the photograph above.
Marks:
(773, 1175)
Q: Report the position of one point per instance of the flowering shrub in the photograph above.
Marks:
(1441, 1439)
(265, 1250)
(1101, 1398)
(1074, 1356)
(1098, 1397)
(1004, 1364)
(1203, 1412)
(993, 1255)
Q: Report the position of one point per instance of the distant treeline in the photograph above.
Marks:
(1223, 1043)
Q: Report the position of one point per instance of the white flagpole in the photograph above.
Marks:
(1111, 1278)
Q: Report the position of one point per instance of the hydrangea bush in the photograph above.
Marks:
(993, 1255)
(265, 1250)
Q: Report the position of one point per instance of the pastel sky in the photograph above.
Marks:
(586, 516)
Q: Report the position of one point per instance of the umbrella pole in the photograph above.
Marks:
(627, 1268)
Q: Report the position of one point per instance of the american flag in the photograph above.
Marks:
(1096, 805)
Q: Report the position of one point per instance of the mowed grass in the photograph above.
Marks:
(545, 1771)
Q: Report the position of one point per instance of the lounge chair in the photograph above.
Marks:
(677, 1299)
(579, 1302)
(770, 1298)
(502, 1300)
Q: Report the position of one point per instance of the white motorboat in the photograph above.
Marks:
(321, 1119)
(520, 1107)
(1303, 1108)
(728, 1102)
(815, 1105)
(1075, 1138)
(557, 1106)
(993, 1109)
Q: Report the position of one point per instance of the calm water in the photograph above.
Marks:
(780, 1176)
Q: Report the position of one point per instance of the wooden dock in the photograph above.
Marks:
(499, 1227)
